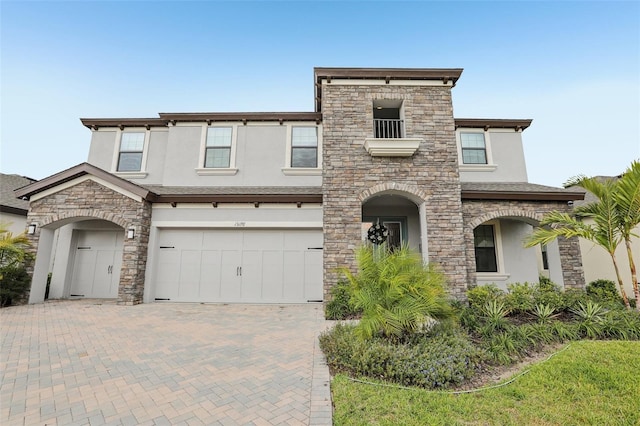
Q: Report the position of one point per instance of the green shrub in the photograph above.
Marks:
(396, 292)
(572, 298)
(14, 284)
(544, 313)
(548, 293)
(479, 296)
(603, 291)
(546, 285)
(494, 314)
(340, 307)
(437, 359)
(520, 297)
(590, 316)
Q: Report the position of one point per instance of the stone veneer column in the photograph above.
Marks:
(134, 256)
(349, 170)
(571, 261)
(91, 200)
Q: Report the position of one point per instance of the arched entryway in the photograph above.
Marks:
(401, 210)
(91, 232)
(494, 239)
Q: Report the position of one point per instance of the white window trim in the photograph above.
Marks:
(490, 166)
(142, 173)
(201, 170)
(501, 274)
(302, 171)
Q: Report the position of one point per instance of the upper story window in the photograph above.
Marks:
(474, 149)
(387, 119)
(304, 147)
(218, 147)
(131, 152)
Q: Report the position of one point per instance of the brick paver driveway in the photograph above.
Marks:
(95, 362)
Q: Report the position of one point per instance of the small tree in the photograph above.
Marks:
(603, 232)
(14, 280)
(627, 199)
(396, 292)
(615, 215)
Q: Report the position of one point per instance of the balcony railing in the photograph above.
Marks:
(385, 128)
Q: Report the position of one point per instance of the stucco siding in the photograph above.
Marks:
(598, 264)
(521, 263)
(206, 213)
(17, 224)
(507, 155)
(101, 151)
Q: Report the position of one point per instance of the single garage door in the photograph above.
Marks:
(97, 263)
(243, 266)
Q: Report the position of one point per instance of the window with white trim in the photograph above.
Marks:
(304, 147)
(474, 148)
(484, 243)
(130, 152)
(218, 147)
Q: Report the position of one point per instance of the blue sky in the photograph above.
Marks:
(573, 67)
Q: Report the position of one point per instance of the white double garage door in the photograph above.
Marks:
(238, 266)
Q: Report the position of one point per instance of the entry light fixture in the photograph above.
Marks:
(32, 229)
(131, 233)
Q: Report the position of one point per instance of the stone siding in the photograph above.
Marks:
(90, 200)
(351, 175)
(476, 212)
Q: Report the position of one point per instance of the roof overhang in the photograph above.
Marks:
(78, 171)
(13, 210)
(243, 117)
(446, 75)
(489, 123)
(121, 123)
(239, 198)
(522, 195)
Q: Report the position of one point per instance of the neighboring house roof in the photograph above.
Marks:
(589, 197)
(9, 203)
(522, 191)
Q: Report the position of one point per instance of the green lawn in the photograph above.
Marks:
(590, 383)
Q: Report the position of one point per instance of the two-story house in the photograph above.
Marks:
(264, 207)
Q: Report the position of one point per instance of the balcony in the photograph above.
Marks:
(389, 140)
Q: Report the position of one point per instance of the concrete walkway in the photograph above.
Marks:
(94, 363)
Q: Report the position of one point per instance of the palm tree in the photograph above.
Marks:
(12, 248)
(627, 199)
(397, 293)
(604, 232)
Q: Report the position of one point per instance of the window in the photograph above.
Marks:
(130, 154)
(304, 147)
(545, 258)
(485, 248)
(387, 119)
(473, 148)
(218, 147)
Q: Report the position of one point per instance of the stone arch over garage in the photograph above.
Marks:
(85, 196)
(477, 212)
(75, 215)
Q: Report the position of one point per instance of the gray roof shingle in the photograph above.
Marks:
(8, 183)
